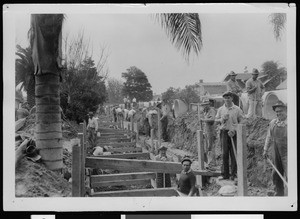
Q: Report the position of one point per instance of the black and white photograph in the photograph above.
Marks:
(149, 107)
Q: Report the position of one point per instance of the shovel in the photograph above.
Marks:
(277, 171)
(234, 151)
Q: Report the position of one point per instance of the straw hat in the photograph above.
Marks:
(255, 71)
(232, 73)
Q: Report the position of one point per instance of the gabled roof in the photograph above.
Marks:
(241, 76)
(214, 88)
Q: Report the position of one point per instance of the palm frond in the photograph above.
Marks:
(184, 31)
(278, 21)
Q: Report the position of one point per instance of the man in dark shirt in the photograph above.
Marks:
(187, 180)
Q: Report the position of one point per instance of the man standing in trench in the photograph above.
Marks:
(229, 115)
(92, 129)
(277, 140)
(255, 90)
(163, 180)
(209, 130)
(233, 87)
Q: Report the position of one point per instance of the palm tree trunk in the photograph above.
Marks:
(31, 92)
(48, 120)
(45, 42)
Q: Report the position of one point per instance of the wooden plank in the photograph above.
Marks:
(122, 176)
(200, 148)
(125, 149)
(76, 169)
(159, 192)
(143, 155)
(114, 139)
(119, 144)
(159, 127)
(242, 160)
(122, 183)
(140, 166)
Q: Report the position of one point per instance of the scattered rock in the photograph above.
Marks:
(228, 190)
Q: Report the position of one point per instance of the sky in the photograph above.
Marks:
(231, 41)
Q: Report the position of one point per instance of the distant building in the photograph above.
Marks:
(210, 89)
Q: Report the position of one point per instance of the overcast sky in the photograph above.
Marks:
(231, 41)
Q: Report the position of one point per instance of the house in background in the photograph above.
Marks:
(210, 89)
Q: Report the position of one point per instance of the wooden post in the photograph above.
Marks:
(242, 160)
(76, 169)
(131, 124)
(159, 128)
(137, 132)
(151, 141)
(198, 109)
(82, 165)
(200, 155)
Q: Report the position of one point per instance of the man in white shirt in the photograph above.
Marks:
(92, 129)
(229, 115)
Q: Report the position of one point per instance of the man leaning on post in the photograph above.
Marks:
(228, 115)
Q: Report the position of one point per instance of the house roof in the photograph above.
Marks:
(215, 88)
(241, 76)
(282, 86)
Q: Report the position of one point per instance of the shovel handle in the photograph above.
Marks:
(277, 171)
(233, 146)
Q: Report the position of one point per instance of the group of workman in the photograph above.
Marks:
(228, 116)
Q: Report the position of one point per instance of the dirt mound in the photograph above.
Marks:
(35, 180)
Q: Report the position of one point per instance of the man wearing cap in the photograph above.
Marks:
(209, 131)
(92, 129)
(255, 90)
(228, 115)
(163, 179)
(232, 86)
(277, 140)
(187, 179)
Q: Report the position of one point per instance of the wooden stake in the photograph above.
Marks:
(151, 141)
(200, 155)
(82, 165)
(242, 160)
(159, 127)
(76, 176)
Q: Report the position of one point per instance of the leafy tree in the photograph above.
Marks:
(272, 69)
(25, 72)
(86, 90)
(170, 95)
(114, 90)
(189, 95)
(137, 85)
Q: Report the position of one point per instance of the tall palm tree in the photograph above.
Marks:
(184, 31)
(45, 40)
(25, 73)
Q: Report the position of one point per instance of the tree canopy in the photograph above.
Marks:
(137, 85)
(114, 91)
(188, 94)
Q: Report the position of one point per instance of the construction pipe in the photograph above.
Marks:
(269, 99)
(180, 107)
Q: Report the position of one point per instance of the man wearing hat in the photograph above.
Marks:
(187, 179)
(228, 115)
(255, 90)
(92, 129)
(277, 140)
(163, 179)
(232, 86)
(209, 131)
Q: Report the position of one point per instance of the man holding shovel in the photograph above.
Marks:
(277, 140)
(255, 90)
(229, 115)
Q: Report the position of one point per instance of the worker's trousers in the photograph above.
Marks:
(255, 108)
(227, 148)
(91, 137)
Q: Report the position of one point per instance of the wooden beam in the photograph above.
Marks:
(122, 183)
(82, 164)
(200, 149)
(76, 169)
(122, 176)
(242, 160)
(160, 192)
(113, 140)
(125, 149)
(140, 166)
(143, 155)
(119, 144)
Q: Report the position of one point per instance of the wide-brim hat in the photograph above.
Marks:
(162, 148)
(255, 71)
(279, 104)
(186, 158)
(227, 93)
(232, 73)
